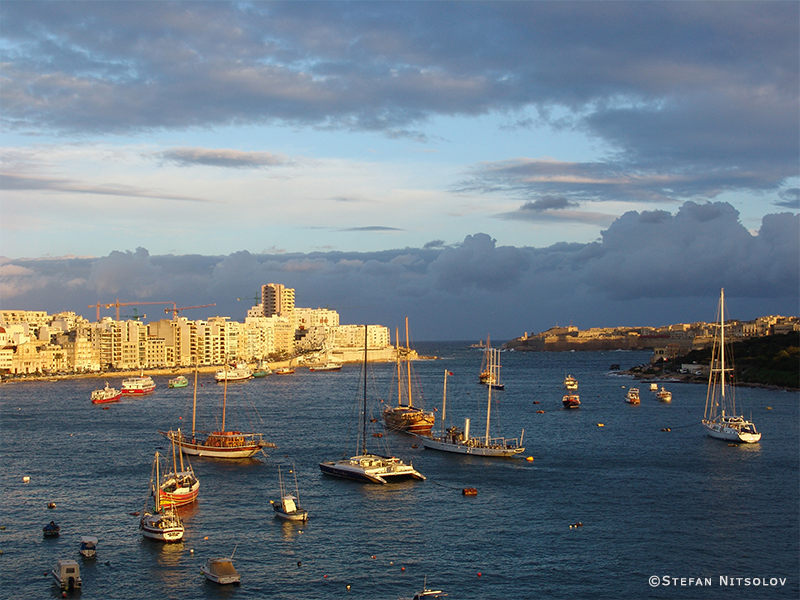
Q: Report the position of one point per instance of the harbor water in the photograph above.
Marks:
(664, 510)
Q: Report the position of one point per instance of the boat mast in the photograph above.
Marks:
(194, 401)
(364, 407)
(444, 402)
(225, 393)
(408, 367)
(399, 379)
(157, 488)
(180, 453)
(722, 347)
(489, 405)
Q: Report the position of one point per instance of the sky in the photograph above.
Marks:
(480, 167)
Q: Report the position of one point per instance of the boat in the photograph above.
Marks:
(653, 387)
(453, 439)
(368, 467)
(632, 397)
(405, 416)
(284, 370)
(720, 418)
(139, 385)
(178, 382)
(217, 444)
(426, 593)
(106, 394)
(329, 366)
(162, 523)
(67, 574)
(571, 401)
(179, 488)
(570, 383)
(664, 395)
(51, 530)
(490, 368)
(288, 507)
(262, 371)
(221, 570)
(239, 372)
(88, 547)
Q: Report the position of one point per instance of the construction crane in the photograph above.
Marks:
(175, 310)
(118, 304)
(98, 305)
(135, 316)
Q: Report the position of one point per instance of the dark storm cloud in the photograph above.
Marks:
(649, 268)
(690, 98)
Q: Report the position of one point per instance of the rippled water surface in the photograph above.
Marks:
(672, 504)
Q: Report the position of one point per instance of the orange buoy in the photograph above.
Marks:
(469, 492)
(529, 459)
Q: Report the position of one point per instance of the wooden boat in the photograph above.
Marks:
(405, 416)
(178, 382)
(459, 441)
(106, 394)
(288, 507)
(221, 570)
(88, 547)
(179, 488)
(217, 444)
(368, 467)
(632, 397)
(720, 418)
(571, 401)
(67, 575)
(570, 383)
(162, 523)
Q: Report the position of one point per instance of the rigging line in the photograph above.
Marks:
(449, 487)
(685, 426)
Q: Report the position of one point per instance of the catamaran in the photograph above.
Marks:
(368, 467)
(459, 441)
(720, 418)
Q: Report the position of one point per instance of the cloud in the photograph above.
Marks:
(790, 198)
(222, 157)
(649, 268)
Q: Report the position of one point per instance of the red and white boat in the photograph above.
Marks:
(571, 401)
(139, 385)
(106, 394)
(179, 488)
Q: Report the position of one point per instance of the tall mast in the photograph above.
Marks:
(194, 401)
(444, 401)
(225, 393)
(408, 368)
(399, 379)
(364, 407)
(489, 405)
(722, 346)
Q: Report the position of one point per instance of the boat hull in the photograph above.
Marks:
(301, 514)
(138, 386)
(371, 469)
(227, 445)
(571, 401)
(721, 431)
(183, 492)
(409, 419)
(471, 447)
(221, 571)
(161, 528)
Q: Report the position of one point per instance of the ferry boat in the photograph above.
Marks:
(330, 366)
(106, 394)
(139, 385)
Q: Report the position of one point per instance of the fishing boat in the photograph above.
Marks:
(284, 370)
(179, 487)
(453, 439)
(632, 397)
(162, 523)
(88, 548)
(288, 507)
(571, 401)
(664, 395)
(217, 444)
(329, 366)
(426, 593)
(490, 367)
(139, 385)
(570, 383)
(720, 418)
(178, 382)
(221, 570)
(106, 394)
(262, 370)
(368, 467)
(67, 574)
(405, 416)
(239, 372)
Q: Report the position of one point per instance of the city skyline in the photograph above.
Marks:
(483, 168)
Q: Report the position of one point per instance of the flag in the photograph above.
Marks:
(449, 372)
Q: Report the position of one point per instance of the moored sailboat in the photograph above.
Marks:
(162, 523)
(720, 419)
(405, 416)
(288, 507)
(217, 444)
(180, 487)
(459, 441)
(368, 467)
(490, 367)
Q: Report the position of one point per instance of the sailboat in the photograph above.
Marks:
(180, 487)
(490, 368)
(368, 467)
(163, 523)
(407, 417)
(720, 419)
(217, 444)
(288, 507)
(458, 441)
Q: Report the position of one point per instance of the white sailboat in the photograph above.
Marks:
(459, 441)
(288, 507)
(368, 467)
(720, 418)
(217, 444)
(163, 523)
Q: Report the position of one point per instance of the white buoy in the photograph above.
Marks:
(26, 479)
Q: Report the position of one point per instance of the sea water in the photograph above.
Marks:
(663, 514)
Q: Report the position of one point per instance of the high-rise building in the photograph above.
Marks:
(277, 300)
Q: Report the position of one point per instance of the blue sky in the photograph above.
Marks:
(527, 163)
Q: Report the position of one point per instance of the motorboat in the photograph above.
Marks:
(178, 382)
(88, 547)
(632, 397)
(106, 394)
(426, 593)
(664, 395)
(221, 570)
(140, 385)
(67, 574)
(240, 372)
(288, 507)
(329, 366)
